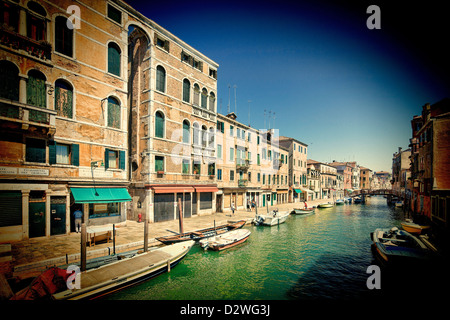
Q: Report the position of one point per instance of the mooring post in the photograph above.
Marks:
(83, 247)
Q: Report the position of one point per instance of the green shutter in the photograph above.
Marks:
(122, 160)
(159, 163)
(106, 158)
(114, 59)
(159, 125)
(75, 155)
(52, 152)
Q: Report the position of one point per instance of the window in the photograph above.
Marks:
(196, 167)
(204, 136)
(204, 99)
(186, 90)
(231, 131)
(161, 43)
(36, 95)
(63, 99)
(219, 151)
(114, 159)
(220, 126)
(231, 175)
(264, 178)
(159, 164)
(59, 153)
(219, 174)
(36, 26)
(211, 169)
(213, 73)
(35, 150)
(114, 54)
(186, 131)
(258, 159)
(185, 168)
(231, 154)
(160, 79)
(212, 101)
(63, 36)
(9, 81)
(114, 14)
(259, 177)
(238, 132)
(113, 113)
(9, 16)
(196, 95)
(159, 124)
(98, 210)
(196, 133)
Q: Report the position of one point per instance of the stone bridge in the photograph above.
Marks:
(384, 192)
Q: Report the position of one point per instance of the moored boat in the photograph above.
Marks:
(414, 228)
(339, 201)
(399, 204)
(124, 273)
(325, 205)
(271, 219)
(357, 200)
(304, 211)
(394, 245)
(203, 233)
(225, 240)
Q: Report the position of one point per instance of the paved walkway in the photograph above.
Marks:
(32, 256)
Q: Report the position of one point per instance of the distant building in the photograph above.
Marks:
(365, 177)
(430, 165)
(383, 180)
(401, 172)
(328, 176)
(344, 169)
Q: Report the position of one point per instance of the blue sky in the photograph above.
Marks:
(346, 91)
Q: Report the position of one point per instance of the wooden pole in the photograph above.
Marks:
(83, 247)
(114, 239)
(180, 216)
(145, 234)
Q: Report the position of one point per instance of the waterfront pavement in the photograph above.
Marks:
(31, 257)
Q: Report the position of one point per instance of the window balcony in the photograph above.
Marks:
(242, 164)
(27, 116)
(204, 113)
(39, 49)
(242, 183)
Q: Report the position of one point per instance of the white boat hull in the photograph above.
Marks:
(271, 219)
(225, 240)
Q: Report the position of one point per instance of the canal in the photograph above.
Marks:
(322, 256)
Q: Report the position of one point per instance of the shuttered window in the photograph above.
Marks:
(9, 81)
(113, 113)
(63, 99)
(10, 208)
(185, 166)
(204, 99)
(36, 89)
(186, 90)
(114, 159)
(159, 163)
(63, 153)
(160, 79)
(159, 124)
(35, 150)
(114, 59)
(186, 131)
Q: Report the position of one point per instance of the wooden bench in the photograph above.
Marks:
(97, 234)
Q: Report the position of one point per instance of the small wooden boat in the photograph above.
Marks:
(325, 205)
(124, 273)
(357, 200)
(304, 211)
(271, 219)
(397, 245)
(414, 228)
(203, 233)
(225, 240)
(399, 204)
(339, 201)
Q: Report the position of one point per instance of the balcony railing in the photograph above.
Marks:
(40, 49)
(242, 183)
(27, 115)
(242, 164)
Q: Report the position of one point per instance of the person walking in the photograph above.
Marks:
(232, 208)
(78, 215)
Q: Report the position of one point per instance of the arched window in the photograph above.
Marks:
(196, 95)
(159, 124)
(113, 113)
(160, 79)
(204, 98)
(36, 89)
(211, 137)
(196, 133)
(36, 26)
(64, 99)
(114, 59)
(204, 136)
(186, 90)
(9, 81)
(186, 131)
(212, 101)
(63, 36)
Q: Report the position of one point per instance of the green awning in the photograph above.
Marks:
(298, 190)
(100, 195)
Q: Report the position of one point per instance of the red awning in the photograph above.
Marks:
(172, 189)
(206, 189)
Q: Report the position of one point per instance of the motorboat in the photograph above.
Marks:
(357, 200)
(225, 240)
(339, 201)
(414, 228)
(271, 219)
(325, 205)
(399, 204)
(398, 245)
(304, 211)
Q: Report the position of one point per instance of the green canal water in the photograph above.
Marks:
(324, 256)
